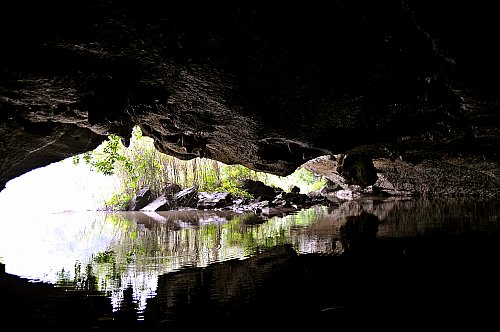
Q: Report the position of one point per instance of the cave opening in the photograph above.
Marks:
(91, 180)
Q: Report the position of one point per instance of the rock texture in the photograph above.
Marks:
(411, 84)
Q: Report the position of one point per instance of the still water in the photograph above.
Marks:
(410, 261)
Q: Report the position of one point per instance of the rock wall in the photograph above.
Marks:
(268, 86)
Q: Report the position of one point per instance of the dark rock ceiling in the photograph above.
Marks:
(411, 84)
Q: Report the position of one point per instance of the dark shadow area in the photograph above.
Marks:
(439, 282)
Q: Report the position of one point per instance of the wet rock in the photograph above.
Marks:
(357, 169)
(258, 189)
(161, 203)
(171, 190)
(213, 200)
(141, 199)
(187, 197)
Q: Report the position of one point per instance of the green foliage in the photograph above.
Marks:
(141, 165)
(105, 158)
(119, 201)
(233, 189)
(302, 178)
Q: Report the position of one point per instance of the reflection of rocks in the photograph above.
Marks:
(402, 217)
(448, 274)
(126, 315)
(433, 216)
(155, 216)
(359, 234)
(280, 290)
(252, 219)
(379, 207)
(225, 291)
(191, 216)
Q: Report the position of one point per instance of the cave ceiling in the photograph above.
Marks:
(255, 83)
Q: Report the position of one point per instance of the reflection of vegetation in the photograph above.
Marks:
(104, 258)
(141, 165)
(86, 280)
(122, 223)
(169, 246)
(64, 278)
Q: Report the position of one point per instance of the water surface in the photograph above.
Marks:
(159, 269)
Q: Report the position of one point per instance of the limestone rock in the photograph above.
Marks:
(263, 85)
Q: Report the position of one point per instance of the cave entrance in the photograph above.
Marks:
(112, 174)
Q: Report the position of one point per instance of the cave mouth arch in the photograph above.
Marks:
(73, 184)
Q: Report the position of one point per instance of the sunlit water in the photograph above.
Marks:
(110, 252)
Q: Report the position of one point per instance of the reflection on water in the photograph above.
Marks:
(109, 251)
(124, 254)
